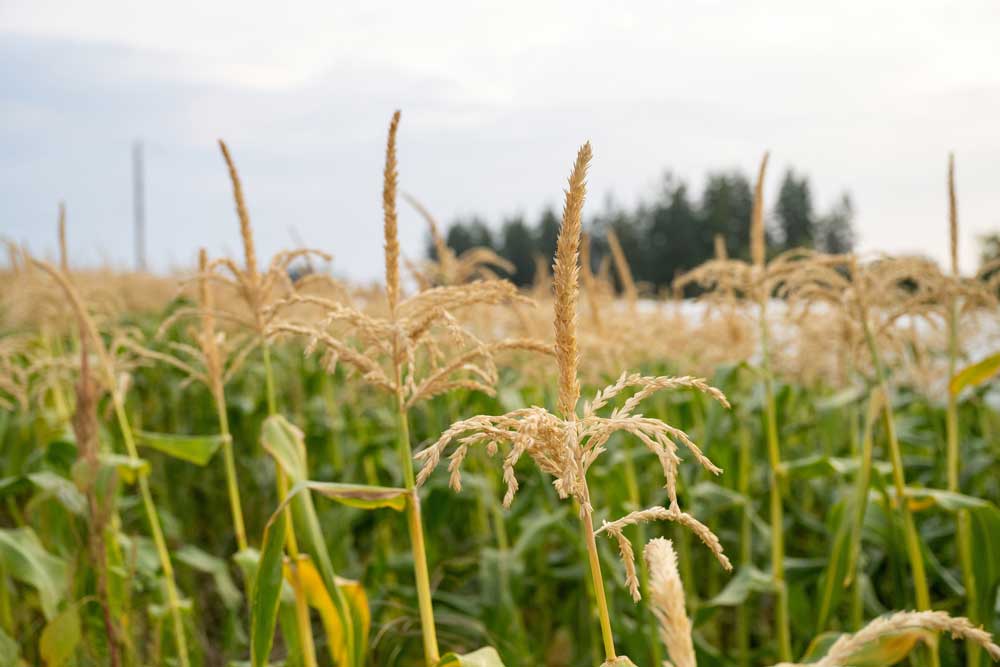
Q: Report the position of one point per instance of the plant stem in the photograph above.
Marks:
(599, 595)
(416, 528)
(912, 539)
(170, 583)
(336, 456)
(272, 401)
(746, 545)
(963, 529)
(239, 528)
(776, 514)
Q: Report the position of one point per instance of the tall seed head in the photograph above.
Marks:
(389, 182)
(758, 248)
(622, 268)
(566, 275)
(249, 254)
(720, 247)
(213, 362)
(952, 214)
(63, 255)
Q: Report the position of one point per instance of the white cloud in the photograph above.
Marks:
(864, 96)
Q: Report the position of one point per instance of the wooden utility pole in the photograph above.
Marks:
(139, 206)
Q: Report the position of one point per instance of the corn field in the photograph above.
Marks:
(257, 464)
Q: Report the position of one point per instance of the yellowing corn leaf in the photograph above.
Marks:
(361, 495)
(890, 649)
(128, 469)
(976, 374)
(920, 504)
(60, 637)
(319, 598)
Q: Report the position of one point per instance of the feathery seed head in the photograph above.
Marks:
(63, 255)
(758, 248)
(720, 247)
(390, 179)
(566, 276)
(952, 214)
(249, 253)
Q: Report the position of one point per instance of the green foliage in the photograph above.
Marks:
(509, 579)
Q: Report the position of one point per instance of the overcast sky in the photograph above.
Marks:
(865, 96)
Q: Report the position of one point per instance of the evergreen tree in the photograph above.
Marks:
(463, 235)
(835, 230)
(547, 233)
(794, 213)
(631, 234)
(675, 232)
(518, 248)
(726, 205)
(675, 242)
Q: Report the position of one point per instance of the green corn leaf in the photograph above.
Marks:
(284, 441)
(204, 562)
(984, 520)
(746, 581)
(61, 489)
(976, 374)
(60, 637)
(484, 657)
(267, 591)
(25, 559)
(847, 521)
(50, 485)
(196, 449)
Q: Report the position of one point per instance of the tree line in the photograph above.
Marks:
(673, 232)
